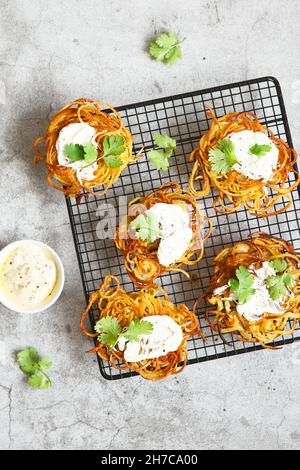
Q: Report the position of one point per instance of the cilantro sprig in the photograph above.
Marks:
(34, 367)
(146, 227)
(110, 330)
(260, 150)
(160, 158)
(166, 48)
(77, 152)
(113, 146)
(222, 156)
(242, 286)
(278, 285)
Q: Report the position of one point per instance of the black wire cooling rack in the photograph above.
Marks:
(183, 117)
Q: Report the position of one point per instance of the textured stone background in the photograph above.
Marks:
(50, 53)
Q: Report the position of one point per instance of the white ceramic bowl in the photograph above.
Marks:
(58, 286)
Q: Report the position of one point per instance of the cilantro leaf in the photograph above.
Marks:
(113, 145)
(279, 265)
(32, 365)
(28, 360)
(109, 329)
(242, 286)
(137, 328)
(74, 152)
(112, 161)
(222, 156)
(166, 48)
(165, 142)
(90, 153)
(277, 285)
(146, 227)
(159, 159)
(260, 150)
(39, 381)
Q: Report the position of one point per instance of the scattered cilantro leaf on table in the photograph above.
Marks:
(166, 48)
(160, 158)
(32, 365)
(242, 286)
(222, 156)
(110, 330)
(260, 150)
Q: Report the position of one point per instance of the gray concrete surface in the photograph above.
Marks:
(52, 52)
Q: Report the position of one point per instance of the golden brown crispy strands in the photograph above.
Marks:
(115, 302)
(141, 260)
(254, 251)
(233, 187)
(91, 112)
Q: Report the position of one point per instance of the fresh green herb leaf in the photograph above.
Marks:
(166, 48)
(113, 146)
(260, 150)
(39, 381)
(112, 161)
(160, 158)
(279, 265)
(165, 142)
(277, 285)
(242, 286)
(32, 365)
(137, 328)
(146, 228)
(222, 156)
(28, 360)
(74, 152)
(90, 153)
(109, 329)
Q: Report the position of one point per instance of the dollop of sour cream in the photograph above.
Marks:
(28, 275)
(251, 165)
(165, 337)
(77, 133)
(176, 234)
(260, 302)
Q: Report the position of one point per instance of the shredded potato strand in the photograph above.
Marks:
(235, 189)
(91, 112)
(141, 259)
(115, 302)
(255, 251)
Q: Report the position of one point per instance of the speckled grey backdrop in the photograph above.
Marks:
(50, 53)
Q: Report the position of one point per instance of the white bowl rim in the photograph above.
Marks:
(15, 307)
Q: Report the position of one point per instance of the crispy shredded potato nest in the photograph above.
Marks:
(269, 327)
(236, 190)
(141, 261)
(113, 301)
(106, 121)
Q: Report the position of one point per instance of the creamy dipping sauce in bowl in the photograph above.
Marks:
(31, 276)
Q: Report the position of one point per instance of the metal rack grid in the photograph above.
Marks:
(183, 117)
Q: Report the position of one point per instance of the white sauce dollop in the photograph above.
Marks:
(77, 133)
(174, 223)
(251, 165)
(165, 337)
(28, 275)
